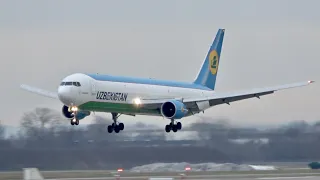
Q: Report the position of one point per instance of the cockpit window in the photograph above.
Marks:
(70, 84)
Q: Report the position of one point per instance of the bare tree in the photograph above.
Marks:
(39, 121)
(2, 132)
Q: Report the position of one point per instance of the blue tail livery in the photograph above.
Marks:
(209, 70)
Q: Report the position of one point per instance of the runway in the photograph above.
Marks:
(214, 175)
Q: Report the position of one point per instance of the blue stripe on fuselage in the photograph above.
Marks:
(101, 77)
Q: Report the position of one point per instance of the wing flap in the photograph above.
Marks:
(227, 100)
(39, 91)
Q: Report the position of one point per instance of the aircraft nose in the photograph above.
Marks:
(64, 95)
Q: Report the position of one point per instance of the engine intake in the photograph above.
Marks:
(173, 109)
(66, 113)
(79, 115)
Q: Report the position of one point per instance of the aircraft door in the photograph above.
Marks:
(93, 88)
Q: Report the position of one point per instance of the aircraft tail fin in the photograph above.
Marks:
(209, 70)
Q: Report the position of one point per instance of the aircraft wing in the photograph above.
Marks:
(223, 98)
(39, 91)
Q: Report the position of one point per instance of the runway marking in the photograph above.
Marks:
(298, 177)
(87, 178)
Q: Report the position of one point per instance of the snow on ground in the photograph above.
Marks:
(175, 167)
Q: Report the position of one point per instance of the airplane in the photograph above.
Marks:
(83, 93)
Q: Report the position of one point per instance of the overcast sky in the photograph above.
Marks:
(266, 43)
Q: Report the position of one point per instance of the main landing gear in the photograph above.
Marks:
(115, 127)
(173, 127)
(74, 121)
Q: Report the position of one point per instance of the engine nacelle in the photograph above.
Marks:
(173, 109)
(82, 114)
(79, 115)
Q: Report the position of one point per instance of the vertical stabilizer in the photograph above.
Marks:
(209, 70)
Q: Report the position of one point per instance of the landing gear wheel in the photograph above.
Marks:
(110, 129)
(116, 127)
(74, 122)
(179, 125)
(173, 127)
(121, 126)
(168, 128)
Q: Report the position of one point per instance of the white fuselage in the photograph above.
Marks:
(109, 92)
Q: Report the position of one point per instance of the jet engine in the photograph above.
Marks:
(173, 109)
(70, 115)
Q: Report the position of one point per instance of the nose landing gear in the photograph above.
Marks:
(74, 121)
(114, 126)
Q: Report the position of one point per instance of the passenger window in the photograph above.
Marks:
(68, 83)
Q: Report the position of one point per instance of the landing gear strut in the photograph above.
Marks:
(173, 127)
(116, 127)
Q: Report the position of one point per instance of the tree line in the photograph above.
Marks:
(45, 140)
